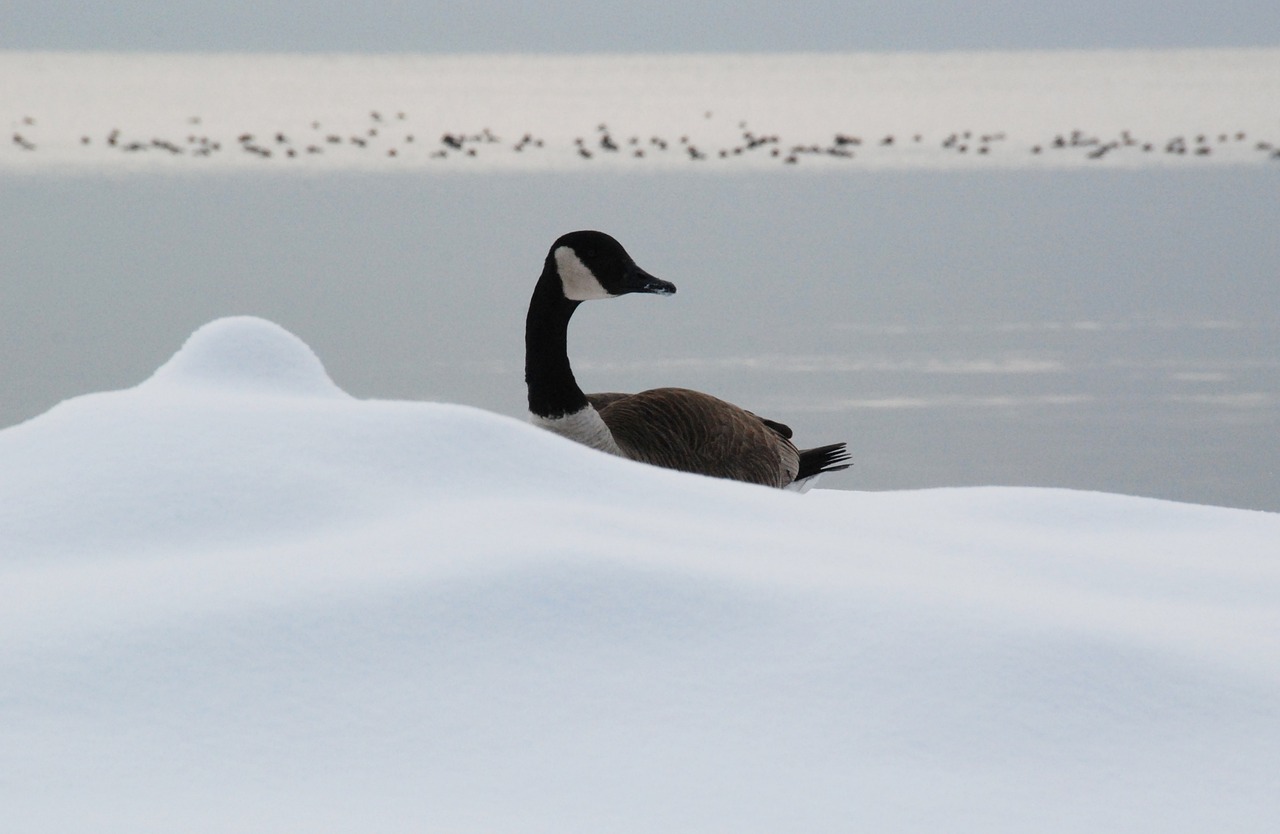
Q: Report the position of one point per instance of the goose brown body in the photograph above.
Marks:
(694, 432)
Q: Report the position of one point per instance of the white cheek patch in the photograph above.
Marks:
(579, 283)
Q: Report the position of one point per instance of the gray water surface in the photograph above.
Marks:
(1104, 330)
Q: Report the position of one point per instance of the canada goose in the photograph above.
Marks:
(671, 427)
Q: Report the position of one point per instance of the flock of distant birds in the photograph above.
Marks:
(388, 136)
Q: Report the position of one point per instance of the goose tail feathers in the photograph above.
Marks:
(818, 461)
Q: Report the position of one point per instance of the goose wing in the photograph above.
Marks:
(694, 432)
(781, 429)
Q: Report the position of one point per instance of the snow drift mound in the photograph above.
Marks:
(247, 354)
(241, 436)
(234, 598)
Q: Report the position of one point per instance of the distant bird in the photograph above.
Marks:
(670, 427)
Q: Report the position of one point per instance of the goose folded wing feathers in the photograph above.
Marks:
(694, 432)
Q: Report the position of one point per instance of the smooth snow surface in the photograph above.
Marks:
(235, 599)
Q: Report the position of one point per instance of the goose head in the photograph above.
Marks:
(593, 265)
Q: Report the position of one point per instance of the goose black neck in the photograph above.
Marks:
(553, 392)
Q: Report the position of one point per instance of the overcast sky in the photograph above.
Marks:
(633, 25)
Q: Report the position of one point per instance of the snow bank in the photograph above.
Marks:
(234, 598)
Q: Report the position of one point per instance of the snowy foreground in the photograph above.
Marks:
(234, 598)
(202, 113)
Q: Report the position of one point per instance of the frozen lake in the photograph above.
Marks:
(1010, 317)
